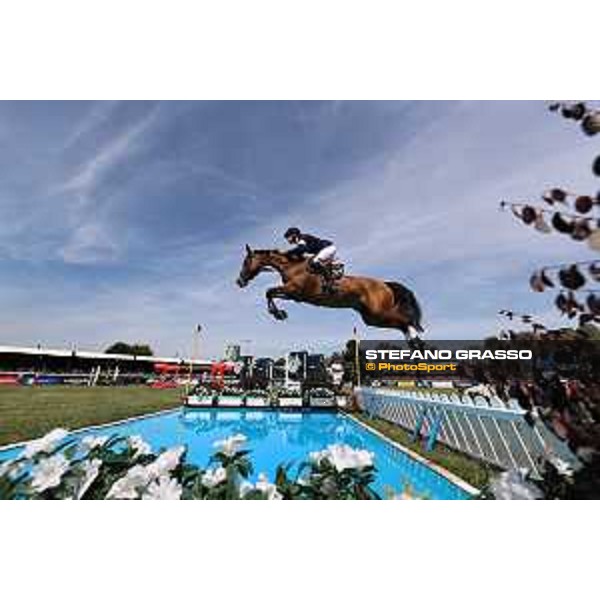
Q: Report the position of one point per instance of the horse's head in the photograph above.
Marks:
(251, 267)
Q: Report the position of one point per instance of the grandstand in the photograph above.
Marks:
(22, 364)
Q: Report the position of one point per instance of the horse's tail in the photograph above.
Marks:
(407, 300)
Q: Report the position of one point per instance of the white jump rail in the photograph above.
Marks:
(230, 401)
(203, 401)
(486, 428)
(290, 401)
(322, 402)
(257, 401)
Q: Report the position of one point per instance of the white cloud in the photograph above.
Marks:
(90, 243)
(83, 182)
(99, 113)
(89, 239)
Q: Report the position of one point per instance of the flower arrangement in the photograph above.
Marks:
(59, 466)
(203, 391)
(258, 393)
(231, 390)
(282, 392)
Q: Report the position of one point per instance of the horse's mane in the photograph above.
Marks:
(277, 253)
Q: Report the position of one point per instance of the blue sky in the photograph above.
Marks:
(127, 220)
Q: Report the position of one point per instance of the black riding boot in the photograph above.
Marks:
(326, 283)
(327, 280)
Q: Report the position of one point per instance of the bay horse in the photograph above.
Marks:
(384, 304)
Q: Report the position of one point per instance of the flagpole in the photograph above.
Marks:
(195, 346)
(356, 357)
(286, 383)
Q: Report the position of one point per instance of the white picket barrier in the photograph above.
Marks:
(486, 428)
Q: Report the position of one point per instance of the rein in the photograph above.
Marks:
(279, 263)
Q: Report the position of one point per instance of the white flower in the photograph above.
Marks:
(89, 442)
(512, 485)
(167, 461)
(267, 488)
(91, 468)
(44, 444)
(343, 457)
(139, 476)
(48, 472)
(126, 488)
(213, 477)
(138, 444)
(231, 445)
(163, 489)
(262, 485)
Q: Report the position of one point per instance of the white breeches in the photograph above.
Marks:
(327, 254)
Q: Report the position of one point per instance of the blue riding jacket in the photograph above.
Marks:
(308, 244)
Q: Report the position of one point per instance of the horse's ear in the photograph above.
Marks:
(248, 249)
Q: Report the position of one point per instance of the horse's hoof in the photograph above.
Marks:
(281, 315)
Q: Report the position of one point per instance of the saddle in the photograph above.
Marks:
(333, 269)
(329, 271)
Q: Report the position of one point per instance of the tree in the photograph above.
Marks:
(573, 217)
(349, 357)
(133, 349)
(571, 411)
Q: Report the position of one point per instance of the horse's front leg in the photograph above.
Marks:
(272, 293)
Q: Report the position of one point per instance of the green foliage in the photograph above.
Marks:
(59, 467)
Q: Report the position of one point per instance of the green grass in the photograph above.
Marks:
(465, 467)
(29, 412)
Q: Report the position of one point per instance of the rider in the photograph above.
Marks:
(321, 251)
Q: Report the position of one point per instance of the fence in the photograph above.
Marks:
(485, 428)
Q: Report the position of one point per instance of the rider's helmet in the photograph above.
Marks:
(291, 233)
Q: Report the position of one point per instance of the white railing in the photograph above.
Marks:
(489, 429)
